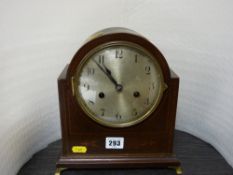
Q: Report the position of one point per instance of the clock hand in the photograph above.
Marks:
(119, 87)
(107, 72)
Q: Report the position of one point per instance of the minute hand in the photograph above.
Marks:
(108, 73)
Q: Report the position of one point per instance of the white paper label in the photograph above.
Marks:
(114, 142)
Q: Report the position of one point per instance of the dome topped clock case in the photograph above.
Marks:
(118, 101)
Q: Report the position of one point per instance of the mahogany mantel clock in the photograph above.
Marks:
(118, 101)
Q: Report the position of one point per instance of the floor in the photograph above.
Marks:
(197, 158)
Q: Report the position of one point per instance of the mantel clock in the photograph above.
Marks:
(118, 101)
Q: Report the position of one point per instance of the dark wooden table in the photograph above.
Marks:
(197, 158)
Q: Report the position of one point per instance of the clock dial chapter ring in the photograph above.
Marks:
(118, 84)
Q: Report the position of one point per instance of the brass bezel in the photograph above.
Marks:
(89, 113)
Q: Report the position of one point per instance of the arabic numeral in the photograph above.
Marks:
(110, 142)
(147, 70)
(102, 110)
(114, 143)
(153, 85)
(91, 102)
(101, 59)
(90, 71)
(119, 53)
(118, 116)
(86, 86)
(135, 113)
(136, 58)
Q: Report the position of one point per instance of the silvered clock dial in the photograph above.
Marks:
(119, 84)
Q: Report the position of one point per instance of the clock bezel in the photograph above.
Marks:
(91, 114)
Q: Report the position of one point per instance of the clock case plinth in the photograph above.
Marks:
(147, 144)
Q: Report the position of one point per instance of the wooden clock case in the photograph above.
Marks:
(147, 144)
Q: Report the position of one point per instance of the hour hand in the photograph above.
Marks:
(109, 75)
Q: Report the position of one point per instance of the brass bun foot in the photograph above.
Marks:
(59, 170)
(178, 169)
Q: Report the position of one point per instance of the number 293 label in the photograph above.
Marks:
(114, 142)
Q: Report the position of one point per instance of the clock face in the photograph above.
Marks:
(119, 84)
